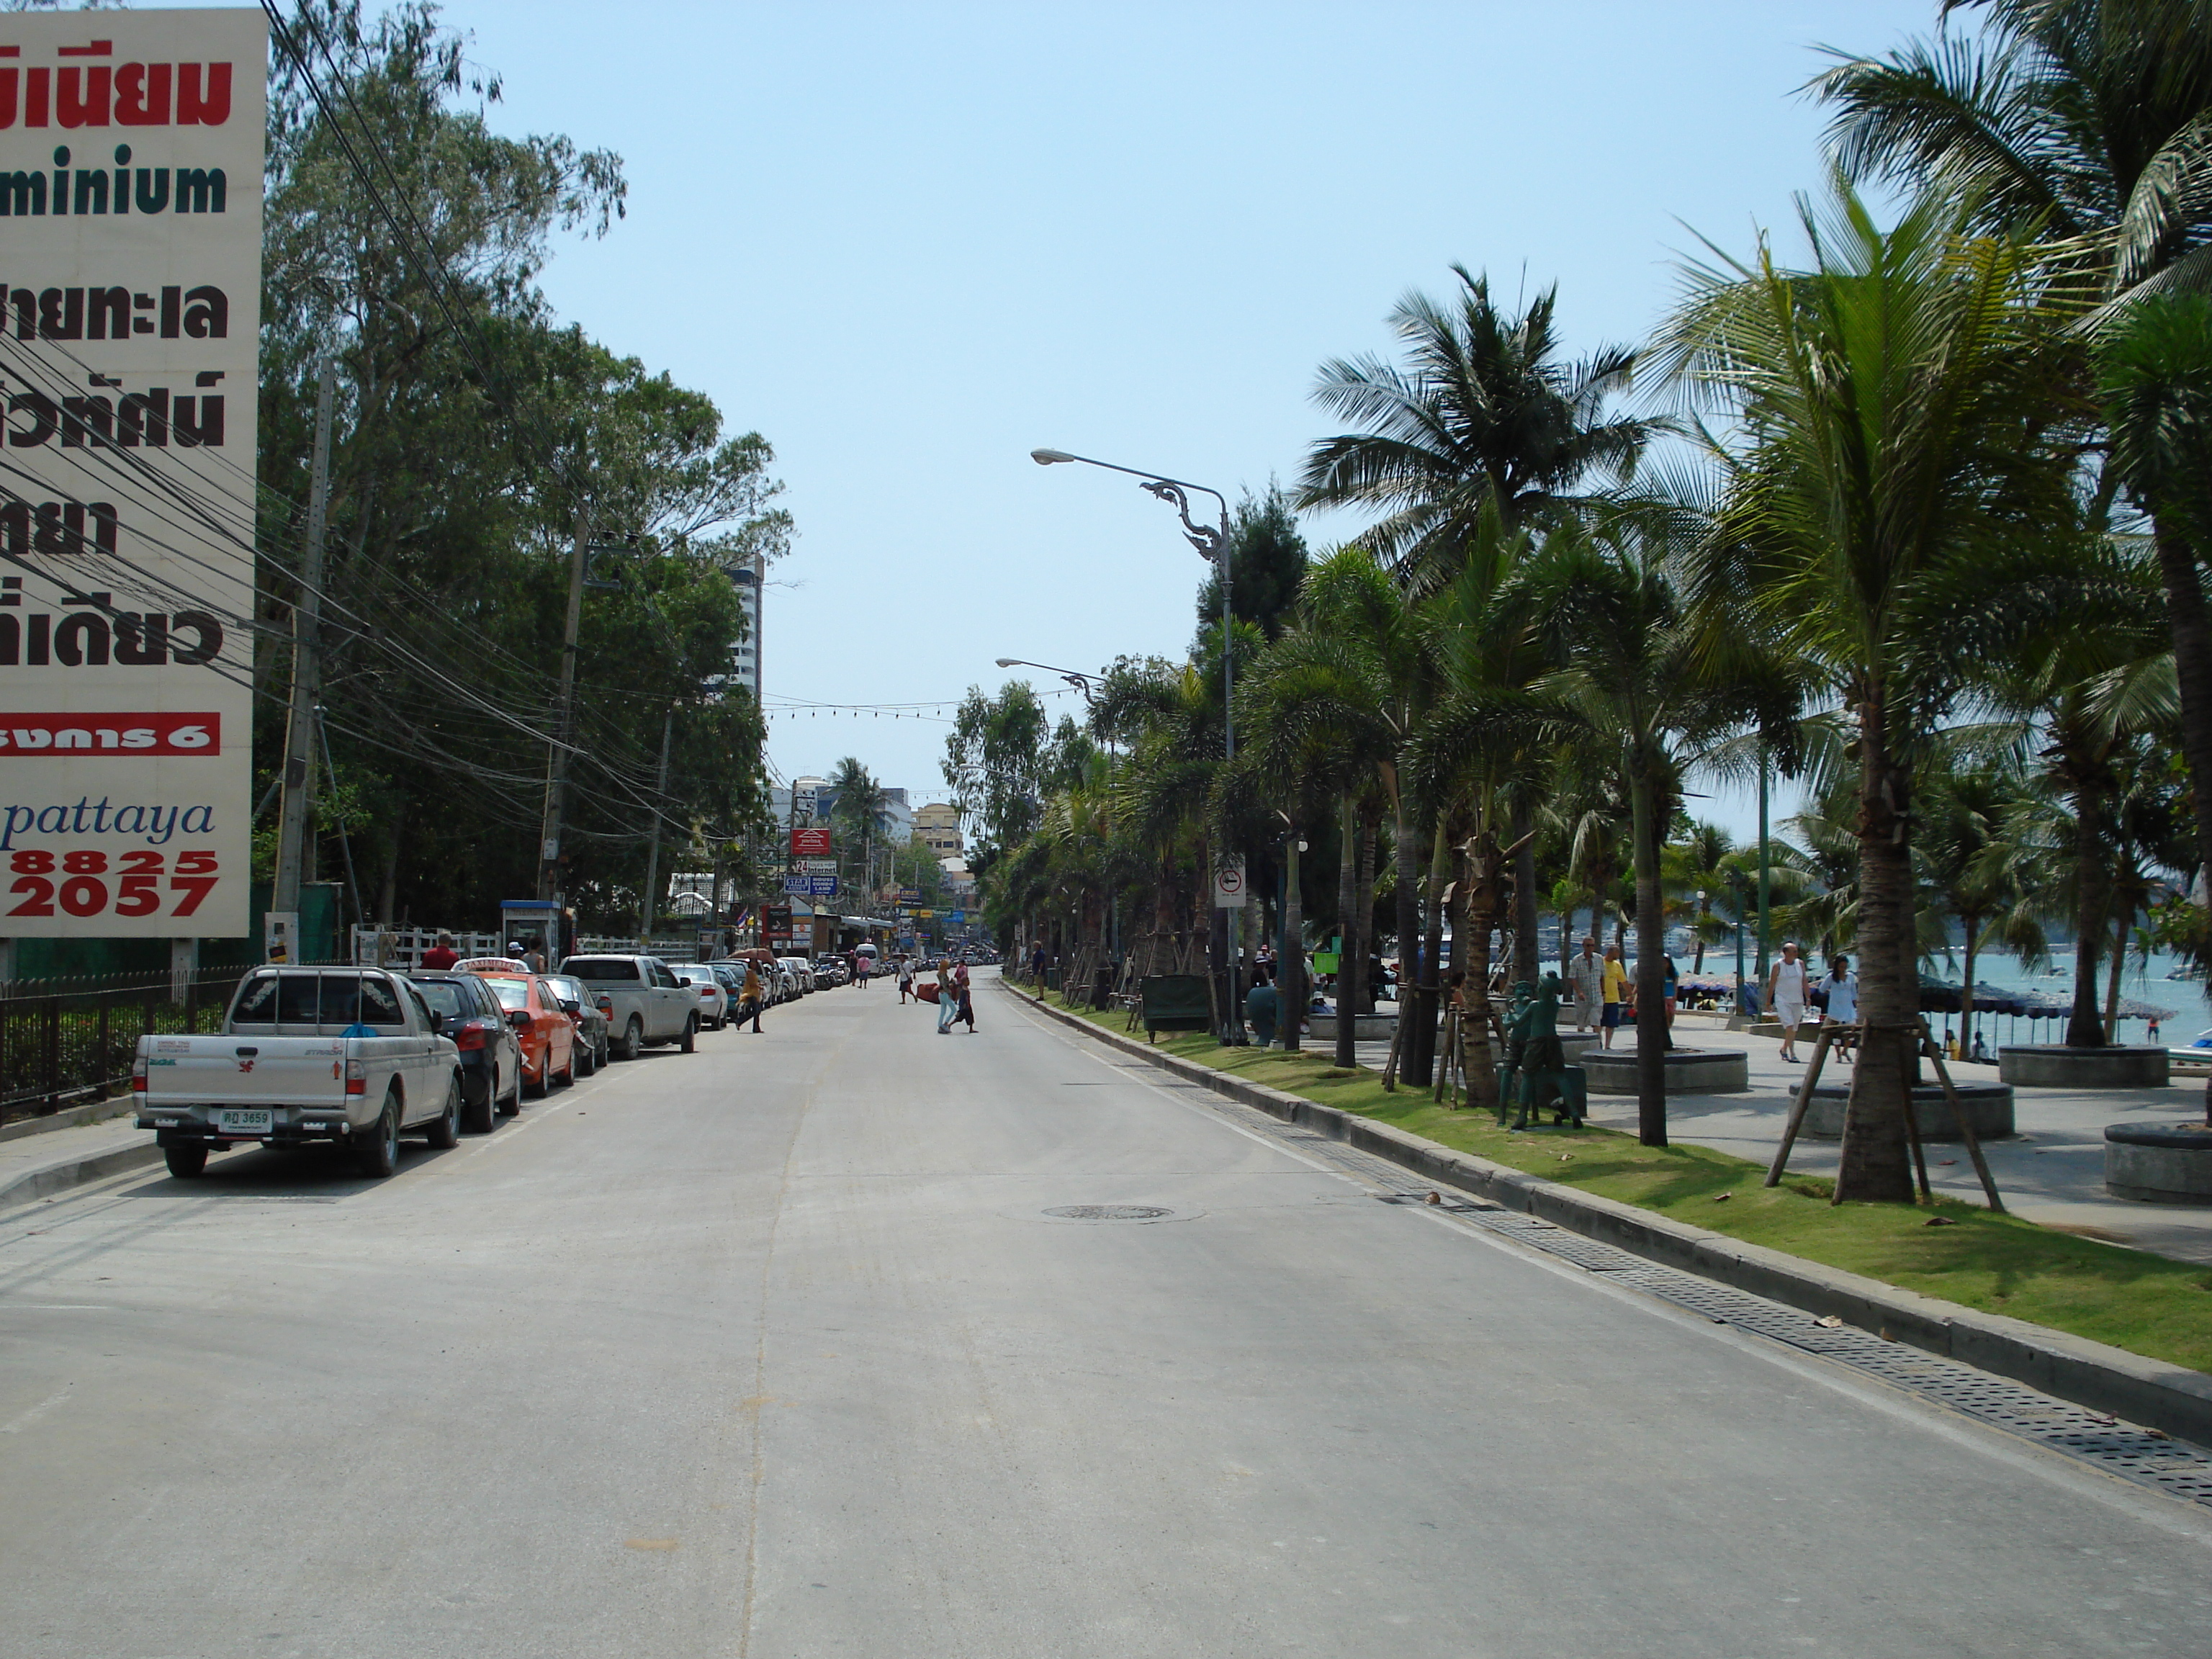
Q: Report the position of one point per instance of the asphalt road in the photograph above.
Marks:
(771, 1351)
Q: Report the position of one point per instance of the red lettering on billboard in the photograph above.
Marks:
(28, 735)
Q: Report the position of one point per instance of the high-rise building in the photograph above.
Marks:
(746, 654)
(938, 826)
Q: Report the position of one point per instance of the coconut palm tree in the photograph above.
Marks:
(1699, 867)
(1485, 415)
(1895, 405)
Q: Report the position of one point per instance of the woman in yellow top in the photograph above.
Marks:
(750, 997)
(1616, 993)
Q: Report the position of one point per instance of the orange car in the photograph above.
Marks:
(547, 1033)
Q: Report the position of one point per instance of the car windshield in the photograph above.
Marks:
(568, 990)
(512, 993)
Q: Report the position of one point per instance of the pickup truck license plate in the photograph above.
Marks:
(230, 1122)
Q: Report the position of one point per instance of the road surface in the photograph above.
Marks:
(773, 1350)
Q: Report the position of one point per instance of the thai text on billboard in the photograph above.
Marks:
(130, 178)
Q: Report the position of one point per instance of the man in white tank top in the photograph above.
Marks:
(1785, 995)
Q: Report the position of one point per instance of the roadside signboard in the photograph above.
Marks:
(819, 867)
(821, 886)
(776, 922)
(798, 884)
(1229, 890)
(923, 915)
(957, 918)
(132, 168)
(811, 843)
(909, 896)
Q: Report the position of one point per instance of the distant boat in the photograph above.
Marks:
(2186, 971)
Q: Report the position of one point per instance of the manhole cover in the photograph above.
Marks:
(1109, 1212)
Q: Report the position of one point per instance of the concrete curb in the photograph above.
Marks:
(60, 1177)
(2150, 1392)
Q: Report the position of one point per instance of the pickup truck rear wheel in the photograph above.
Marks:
(633, 1043)
(445, 1131)
(186, 1159)
(688, 1041)
(378, 1154)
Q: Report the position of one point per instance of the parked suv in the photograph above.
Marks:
(714, 1000)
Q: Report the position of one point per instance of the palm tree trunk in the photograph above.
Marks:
(2084, 1029)
(2112, 979)
(1403, 857)
(1650, 970)
(2192, 669)
(1363, 902)
(1422, 1039)
(1973, 925)
(1347, 883)
(1292, 990)
(1874, 1165)
(1527, 964)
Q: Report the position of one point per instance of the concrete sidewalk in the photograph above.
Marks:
(2052, 1172)
(35, 1166)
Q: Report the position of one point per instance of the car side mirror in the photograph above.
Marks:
(519, 1018)
(568, 1007)
(437, 1023)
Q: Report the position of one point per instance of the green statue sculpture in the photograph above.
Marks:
(1537, 1074)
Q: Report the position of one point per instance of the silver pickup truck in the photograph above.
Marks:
(643, 1000)
(350, 1055)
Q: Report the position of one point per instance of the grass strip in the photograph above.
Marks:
(2146, 1304)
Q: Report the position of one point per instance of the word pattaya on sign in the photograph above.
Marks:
(130, 163)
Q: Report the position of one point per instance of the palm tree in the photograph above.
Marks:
(1963, 812)
(2090, 118)
(1895, 402)
(1483, 415)
(2157, 384)
(1699, 867)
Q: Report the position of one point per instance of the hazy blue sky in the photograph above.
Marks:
(908, 244)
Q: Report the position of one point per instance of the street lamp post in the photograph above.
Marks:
(1211, 542)
(1088, 685)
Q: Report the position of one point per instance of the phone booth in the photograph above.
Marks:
(536, 925)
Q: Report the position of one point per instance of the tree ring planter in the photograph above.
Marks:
(2054, 1065)
(1688, 1070)
(1578, 1046)
(1365, 1028)
(2159, 1163)
(1988, 1108)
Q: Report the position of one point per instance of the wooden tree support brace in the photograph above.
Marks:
(1928, 1047)
(1799, 1107)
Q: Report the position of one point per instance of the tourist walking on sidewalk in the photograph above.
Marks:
(1586, 973)
(1785, 995)
(1841, 989)
(1614, 981)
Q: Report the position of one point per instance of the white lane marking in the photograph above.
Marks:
(17, 1423)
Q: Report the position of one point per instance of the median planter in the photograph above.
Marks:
(1366, 1028)
(2054, 1065)
(2159, 1163)
(1688, 1070)
(1988, 1106)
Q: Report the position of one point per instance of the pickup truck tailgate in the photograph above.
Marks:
(240, 1070)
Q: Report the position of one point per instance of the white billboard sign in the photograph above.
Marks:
(131, 176)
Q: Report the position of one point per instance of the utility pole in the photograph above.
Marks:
(647, 901)
(1764, 863)
(299, 779)
(556, 764)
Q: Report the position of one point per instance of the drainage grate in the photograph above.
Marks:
(1109, 1212)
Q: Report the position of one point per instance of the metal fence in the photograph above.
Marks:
(63, 1046)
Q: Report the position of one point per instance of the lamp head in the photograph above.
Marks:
(1009, 662)
(1048, 457)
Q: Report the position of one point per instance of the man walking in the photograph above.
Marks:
(1613, 986)
(1586, 974)
(750, 996)
(905, 978)
(964, 1008)
(1785, 995)
(441, 954)
(948, 1003)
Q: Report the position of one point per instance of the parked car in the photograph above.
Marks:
(591, 1034)
(829, 970)
(644, 1001)
(284, 1071)
(731, 976)
(548, 1034)
(714, 1000)
(490, 1051)
(802, 972)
